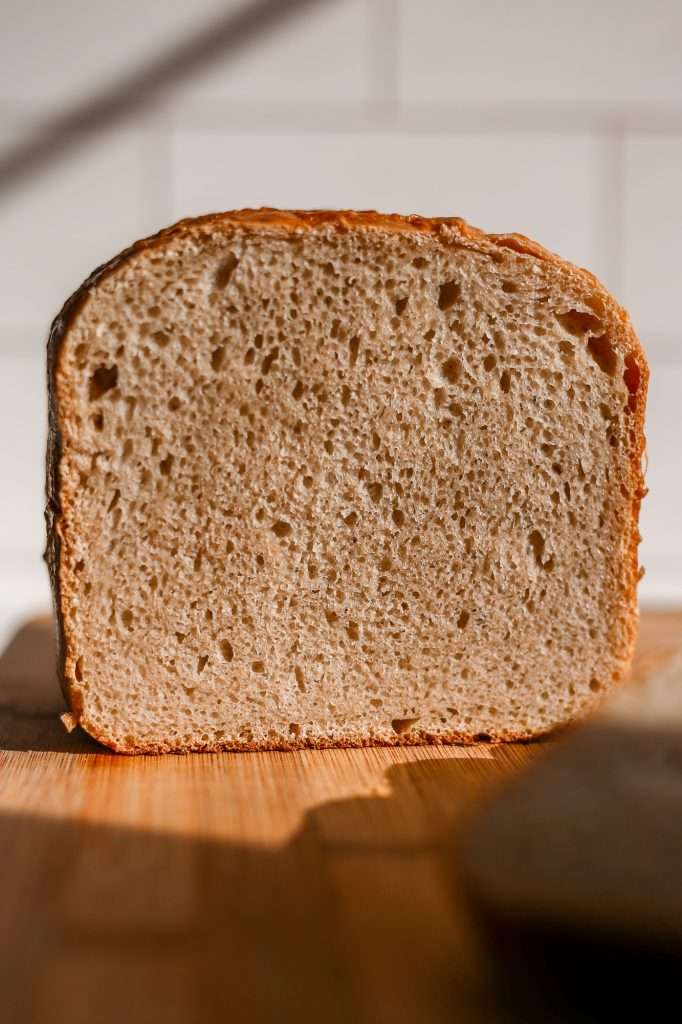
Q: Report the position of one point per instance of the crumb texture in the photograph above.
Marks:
(323, 486)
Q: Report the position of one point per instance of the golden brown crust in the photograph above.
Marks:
(454, 231)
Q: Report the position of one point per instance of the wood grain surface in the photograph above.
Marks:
(321, 885)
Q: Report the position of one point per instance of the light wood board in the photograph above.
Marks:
(316, 885)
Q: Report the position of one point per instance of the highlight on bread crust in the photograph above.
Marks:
(322, 479)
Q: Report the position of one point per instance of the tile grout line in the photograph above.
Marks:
(383, 56)
(381, 117)
(384, 112)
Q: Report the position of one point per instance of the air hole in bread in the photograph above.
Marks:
(401, 305)
(537, 543)
(448, 294)
(505, 382)
(604, 355)
(98, 421)
(127, 618)
(631, 376)
(398, 517)
(258, 666)
(510, 287)
(166, 465)
(489, 363)
(281, 528)
(353, 631)
(451, 370)
(463, 620)
(403, 725)
(202, 661)
(103, 379)
(226, 269)
(217, 358)
(161, 338)
(268, 361)
(79, 670)
(375, 491)
(353, 350)
(579, 323)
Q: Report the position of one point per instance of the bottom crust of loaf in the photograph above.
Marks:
(286, 745)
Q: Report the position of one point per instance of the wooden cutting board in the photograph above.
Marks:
(318, 885)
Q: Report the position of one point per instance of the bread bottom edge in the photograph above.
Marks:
(282, 745)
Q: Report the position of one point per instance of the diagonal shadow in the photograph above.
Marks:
(360, 917)
(221, 38)
(354, 919)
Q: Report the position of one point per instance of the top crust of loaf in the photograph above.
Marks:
(454, 232)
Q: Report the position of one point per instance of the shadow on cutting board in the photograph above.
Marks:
(353, 920)
(362, 915)
(30, 698)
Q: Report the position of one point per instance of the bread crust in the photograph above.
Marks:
(455, 232)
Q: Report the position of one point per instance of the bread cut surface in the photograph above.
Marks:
(341, 479)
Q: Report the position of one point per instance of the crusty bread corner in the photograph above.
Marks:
(453, 233)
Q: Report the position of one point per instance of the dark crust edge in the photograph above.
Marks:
(296, 220)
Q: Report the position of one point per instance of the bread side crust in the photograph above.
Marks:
(455, 232)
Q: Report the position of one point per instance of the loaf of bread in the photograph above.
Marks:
(325, 479)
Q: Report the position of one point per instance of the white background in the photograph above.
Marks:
(562, 121)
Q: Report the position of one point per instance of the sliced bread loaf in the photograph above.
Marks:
(324, 479)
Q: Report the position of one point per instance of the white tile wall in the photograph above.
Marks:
(549, 184)
(324, 55)
(541, 51)
(321, 52)
(652, 282)
(56, 229)
(55, 53)
(561, 121)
